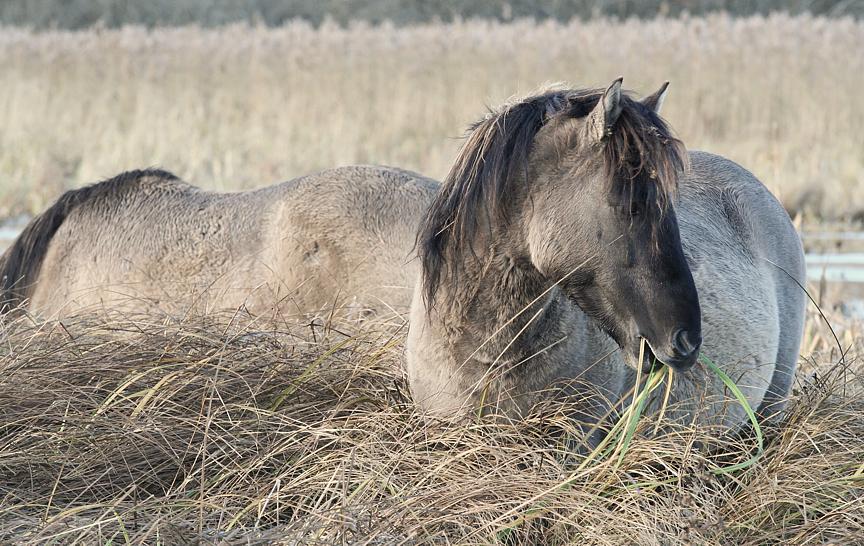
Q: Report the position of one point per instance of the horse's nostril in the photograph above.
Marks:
(685, 343)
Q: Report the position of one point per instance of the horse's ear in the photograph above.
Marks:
(655, 101)
(605, 114)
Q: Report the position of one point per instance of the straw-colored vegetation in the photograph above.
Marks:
(239, 107)
(237, 430)
(230, 429)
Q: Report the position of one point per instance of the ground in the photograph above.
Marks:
(243, 430)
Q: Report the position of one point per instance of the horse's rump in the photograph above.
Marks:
(21, 263)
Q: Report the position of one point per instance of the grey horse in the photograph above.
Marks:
(571, 226)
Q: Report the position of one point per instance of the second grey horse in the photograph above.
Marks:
(146, 241)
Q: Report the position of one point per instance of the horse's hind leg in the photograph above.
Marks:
(777, 395)
(791, 304)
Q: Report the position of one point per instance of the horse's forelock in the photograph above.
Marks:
(496, 150)
(642, 147)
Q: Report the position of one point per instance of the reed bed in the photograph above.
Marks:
(240, 106)
(229, 429)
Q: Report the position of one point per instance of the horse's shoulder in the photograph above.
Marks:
(735, 203)
(718, 171)
(737, 190)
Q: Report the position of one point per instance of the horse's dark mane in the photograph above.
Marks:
(496, 153)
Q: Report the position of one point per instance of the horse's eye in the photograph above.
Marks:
(635, 210)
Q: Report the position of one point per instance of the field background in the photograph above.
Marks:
(237, 107)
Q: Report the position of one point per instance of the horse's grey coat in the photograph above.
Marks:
(740, 245)
(345, 237)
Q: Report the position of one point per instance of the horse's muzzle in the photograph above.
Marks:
(680, 353)
(685, 350)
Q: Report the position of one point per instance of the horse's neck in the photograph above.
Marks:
(503, 313)
(497, 328)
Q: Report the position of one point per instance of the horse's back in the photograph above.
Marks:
(345, 236)
(748, 264)
(149, 241)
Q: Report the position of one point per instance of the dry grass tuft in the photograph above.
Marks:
(221, 430)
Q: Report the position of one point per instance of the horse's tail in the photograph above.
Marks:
(20, 264)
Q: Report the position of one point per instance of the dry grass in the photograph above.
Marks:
(239, 107)
(246, 432)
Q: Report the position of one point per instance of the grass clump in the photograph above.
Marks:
(226, 430)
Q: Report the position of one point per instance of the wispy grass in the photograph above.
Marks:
(132, 431)
(238, 107)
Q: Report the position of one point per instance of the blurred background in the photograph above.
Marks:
(234, 94)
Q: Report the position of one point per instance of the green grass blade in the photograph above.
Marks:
(760, 442)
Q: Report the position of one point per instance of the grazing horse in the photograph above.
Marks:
(571, 226)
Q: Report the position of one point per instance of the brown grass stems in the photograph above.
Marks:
(237, 429)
